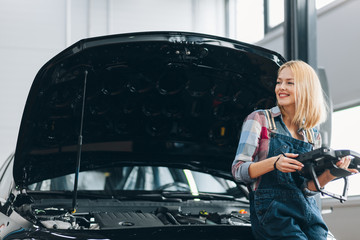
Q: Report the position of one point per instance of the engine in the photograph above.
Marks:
(52, 218)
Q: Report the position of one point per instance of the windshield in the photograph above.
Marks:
(143, 178)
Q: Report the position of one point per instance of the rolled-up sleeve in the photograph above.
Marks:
(247, 148)
(241, 171)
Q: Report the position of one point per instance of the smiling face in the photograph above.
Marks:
(285, 88)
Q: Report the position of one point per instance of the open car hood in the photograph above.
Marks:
(158, 98)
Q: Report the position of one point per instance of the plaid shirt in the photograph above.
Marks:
(254, 142)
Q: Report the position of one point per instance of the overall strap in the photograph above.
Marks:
(271, 121)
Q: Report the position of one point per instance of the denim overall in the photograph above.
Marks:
(279, 209)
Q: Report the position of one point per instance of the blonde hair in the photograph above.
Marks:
(310, 105)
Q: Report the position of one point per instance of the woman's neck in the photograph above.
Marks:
(288, 114)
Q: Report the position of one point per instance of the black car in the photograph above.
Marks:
(132, 136)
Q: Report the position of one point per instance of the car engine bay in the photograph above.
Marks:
(103, 214)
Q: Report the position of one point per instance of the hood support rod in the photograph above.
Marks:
(78, 160)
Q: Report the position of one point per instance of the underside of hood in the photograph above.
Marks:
(158, 98)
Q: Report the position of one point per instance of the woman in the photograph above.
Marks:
(281, 201)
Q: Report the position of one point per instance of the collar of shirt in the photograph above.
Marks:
(275, 112)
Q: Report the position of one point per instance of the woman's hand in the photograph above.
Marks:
(326, 176)
(344, 163)
(287, 164)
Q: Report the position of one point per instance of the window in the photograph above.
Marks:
(274, 12)
(249, 20)
(257, 17)
(140, 178)
(322, 3)
(345, 135)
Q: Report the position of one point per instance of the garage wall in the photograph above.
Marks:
(31, 33)
(34, 31)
